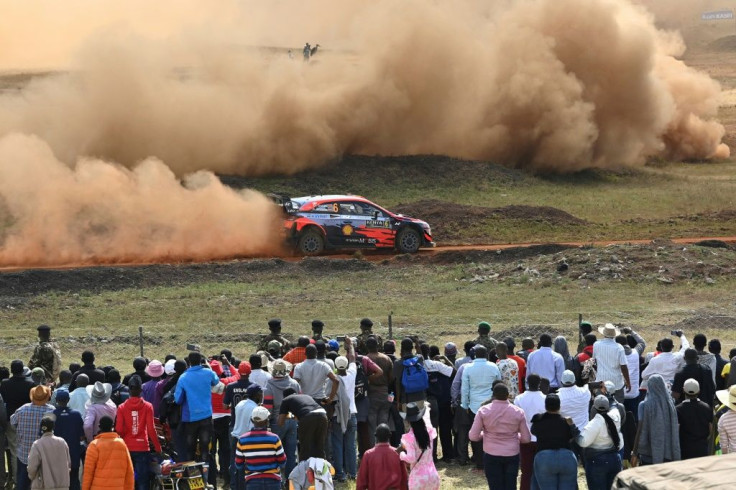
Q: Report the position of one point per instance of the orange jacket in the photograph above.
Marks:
(107, 464)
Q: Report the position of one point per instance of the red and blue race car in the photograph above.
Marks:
(316, 223)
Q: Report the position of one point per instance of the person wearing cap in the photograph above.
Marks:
(450, 352)
(484, 337)
(48, 461)
(274, 349)
(318, 327)
(38, 376)
(546, 362)
(574, 400)
(163, 385)
(221, 423)
(107, 463)
(99, 406)
(273, 394)
(532, 401)
(381, 467)
(501, 427)
(667, 363)
(69, 425)
(700, 373)
(274, 327)
(344, 423)
(298, 353)
(134, 424)
(243, 423)
(416, 448)
(727, 422)
(259, 453)
(26, 421)
(46, 355)
(366, 330)
(696, 422)
(156, 371)
(658, 440)
(93, 373)
(555, 464)
(235, 392)
(611, 363)
(139, 368)
(15, 392)
(602, 440)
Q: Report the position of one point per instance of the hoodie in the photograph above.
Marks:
(134, 424)
(273, 394)
(709, 360)
(218, 409)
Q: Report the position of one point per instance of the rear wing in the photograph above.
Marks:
(284, 201)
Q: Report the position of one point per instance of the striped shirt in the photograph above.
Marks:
(27, 422)
(260, 454)
(609, 357)
(727, 432)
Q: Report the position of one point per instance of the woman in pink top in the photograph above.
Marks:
(501, 426)
(416, 449)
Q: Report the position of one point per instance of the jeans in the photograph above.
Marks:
(179, 438)
(74, 483)
(501, 471)
(237, 477)
(263, 484)
(344, 452)
(601, 469)
(527, 452)
(22, 482)
(11, 436)
(142, 469)
(221, 449)
(377, 415)
(287, 434)
(198, 434)
(555, 469)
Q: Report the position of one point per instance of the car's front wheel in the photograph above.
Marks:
(408, 241)
(311, 242)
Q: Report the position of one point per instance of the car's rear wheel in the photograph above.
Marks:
(311, 242)
(408, 241)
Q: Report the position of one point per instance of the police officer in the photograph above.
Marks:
(46, 355)
(484, 338)
(317, 327)
(366, 330)
(274, 326)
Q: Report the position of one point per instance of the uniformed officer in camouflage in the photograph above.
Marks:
(274, 326)
(484, 338)
(366, 330)
(317, 328)
(46, 355)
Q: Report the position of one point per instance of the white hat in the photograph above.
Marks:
(568, 378)
(341, 362)
(691, 387)
(609, 330)
(728, 397)
(169, 366)
(260, 414)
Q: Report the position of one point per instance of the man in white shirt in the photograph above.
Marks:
(667, 363)
(574, 400)
(344, 424)
(611, 361)
(532, 402)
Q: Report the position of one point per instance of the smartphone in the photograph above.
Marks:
(341, 338)
(193, 347)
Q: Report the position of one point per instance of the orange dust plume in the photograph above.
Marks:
(99, 212)
(545, 85)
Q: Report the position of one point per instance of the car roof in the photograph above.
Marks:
(329, 197)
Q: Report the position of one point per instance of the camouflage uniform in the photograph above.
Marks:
(319, 336)
(487, 341)
(285, 344)
(362, 348)
(47, 356)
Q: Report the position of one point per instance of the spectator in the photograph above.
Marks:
(107, 464)
(545, 362)
(344, 423)
(99, 405)
(700, 373)
(416, 449)
(560, 346)
(509, 369)
(574, 401)
(407, 355)
(312, 423)
(633, 361)
(440, 372)
(139, 368)
(321, 347)
(312, 375)
(667, 363)
(476, 388)
(120, 391)
(273, 394)
(221, 422)
(527, 347)
(15, 392)
(714, 347)
(135, 426)
(65, 379)
(243, 424)
(484, 338)
(602, 439)
(727, 422)
(521, 363)
(467, 347)
(259, 454)
(258, 372)
(381, 467)
(585, 329)
(696, 421)
(532, 401)
(299, 353)
(79, 397)
(501, 426)
(26, 422)
(149, 393)
(88, 367)
(658, 432)
(450, 352)
(587, 353)
(69, 426)
(611, 363)
(193, 393)
(378, 388)
(555, 465)
(705, 358)
(48, 461)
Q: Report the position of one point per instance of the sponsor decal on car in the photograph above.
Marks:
(376, 223)
(347, 230)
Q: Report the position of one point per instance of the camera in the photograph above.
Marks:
(341, 338)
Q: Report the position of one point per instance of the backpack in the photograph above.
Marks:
(434, 389)
(361, 380)
(169, 410)
(414, 378)
(119, 395)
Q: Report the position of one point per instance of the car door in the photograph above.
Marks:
(372, 225)
(327, 214)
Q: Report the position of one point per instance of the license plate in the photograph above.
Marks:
(196, 483)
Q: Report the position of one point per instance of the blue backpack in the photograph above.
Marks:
(414, 379)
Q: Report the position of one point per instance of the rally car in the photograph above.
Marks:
(315, 223)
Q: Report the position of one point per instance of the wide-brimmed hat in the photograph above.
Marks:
(99, 392)
(155, 369)
(279, 368)
(609, 330)
(728, 397)
(413, 412)
(40, 395)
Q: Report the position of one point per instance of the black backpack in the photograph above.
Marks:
(170, 411)
(361, 380)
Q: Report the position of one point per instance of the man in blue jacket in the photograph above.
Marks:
(194, 394)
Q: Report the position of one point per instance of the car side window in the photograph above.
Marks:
(369, 211)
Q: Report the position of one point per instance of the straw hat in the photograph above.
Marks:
(728, 397)
(609, 330)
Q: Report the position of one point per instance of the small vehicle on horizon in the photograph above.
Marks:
(313, 224)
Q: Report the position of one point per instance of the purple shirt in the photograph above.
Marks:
(95, 411)
(502, 426)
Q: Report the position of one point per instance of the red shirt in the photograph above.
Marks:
(522, 370)
(295, 355)
(382, 469)
(586, 354)
(134, 424)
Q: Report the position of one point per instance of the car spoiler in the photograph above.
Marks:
(289, 206)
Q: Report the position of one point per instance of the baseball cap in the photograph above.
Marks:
(253, 390)
(691, 387)
(333, 345)
(601, 403)
(62, 396)
(341, 362)
(568, 378)
(244, 368)
(450, 349)
(610, 387)
(260, 414)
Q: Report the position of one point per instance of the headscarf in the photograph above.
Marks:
(659, 437)
(560, 346)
